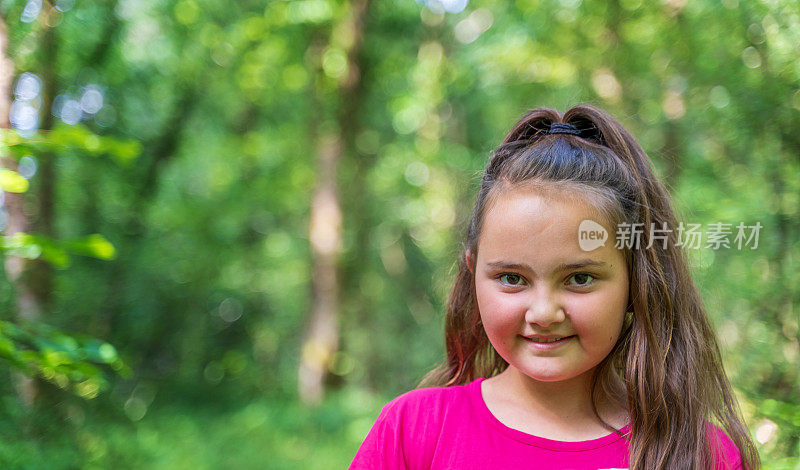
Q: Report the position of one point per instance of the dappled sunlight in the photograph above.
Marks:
(324, 226)
(470, 28)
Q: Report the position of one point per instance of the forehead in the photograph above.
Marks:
(541, 226)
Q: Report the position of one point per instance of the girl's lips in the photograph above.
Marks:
(548, 346)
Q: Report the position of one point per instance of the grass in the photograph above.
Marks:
(263, 433)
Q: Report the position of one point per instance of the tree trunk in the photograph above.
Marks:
(321, 339)
(32, 279)
(16, 267)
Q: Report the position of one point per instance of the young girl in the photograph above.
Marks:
(575, 336)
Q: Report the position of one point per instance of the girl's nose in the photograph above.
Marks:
(544, 308)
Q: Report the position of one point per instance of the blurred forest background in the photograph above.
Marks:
(229, 228)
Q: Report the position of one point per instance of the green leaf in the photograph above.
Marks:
(68, 361)
(101, 352)
(55, 255)
(81, 138)
(56, 252)
(77, 138)
(22, 245)
(12, 182)
(96, 246)
(8, 139)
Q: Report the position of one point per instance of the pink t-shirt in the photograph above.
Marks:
(452, 428)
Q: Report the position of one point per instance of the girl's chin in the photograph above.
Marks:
(548, 375)
(545, 376)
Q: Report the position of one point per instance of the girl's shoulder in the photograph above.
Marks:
(409, 427)
(725, 453)
(430, 401)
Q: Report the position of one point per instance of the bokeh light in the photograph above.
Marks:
(449, 6)
(31, 11)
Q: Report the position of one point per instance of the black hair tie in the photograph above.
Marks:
(563, 128)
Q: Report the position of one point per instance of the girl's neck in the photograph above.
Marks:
(562, 408)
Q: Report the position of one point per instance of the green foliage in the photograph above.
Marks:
(35, 349)
(12, 182)
(56, 252)
(69, 361)
(65, 138)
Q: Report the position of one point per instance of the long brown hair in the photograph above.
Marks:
(666, 367)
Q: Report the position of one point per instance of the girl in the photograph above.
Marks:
(575, 336)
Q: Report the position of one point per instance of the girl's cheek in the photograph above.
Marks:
(503, 305)
(508, 317)
(500, 312)
(598, 331)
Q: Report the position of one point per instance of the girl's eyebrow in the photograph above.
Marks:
(561, 267)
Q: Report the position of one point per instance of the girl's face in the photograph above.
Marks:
(533, 279)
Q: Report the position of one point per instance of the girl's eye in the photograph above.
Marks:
(511, 279)
(582, 279)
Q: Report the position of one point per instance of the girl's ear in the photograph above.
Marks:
(470, 261)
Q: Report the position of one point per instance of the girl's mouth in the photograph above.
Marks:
(548, 344)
